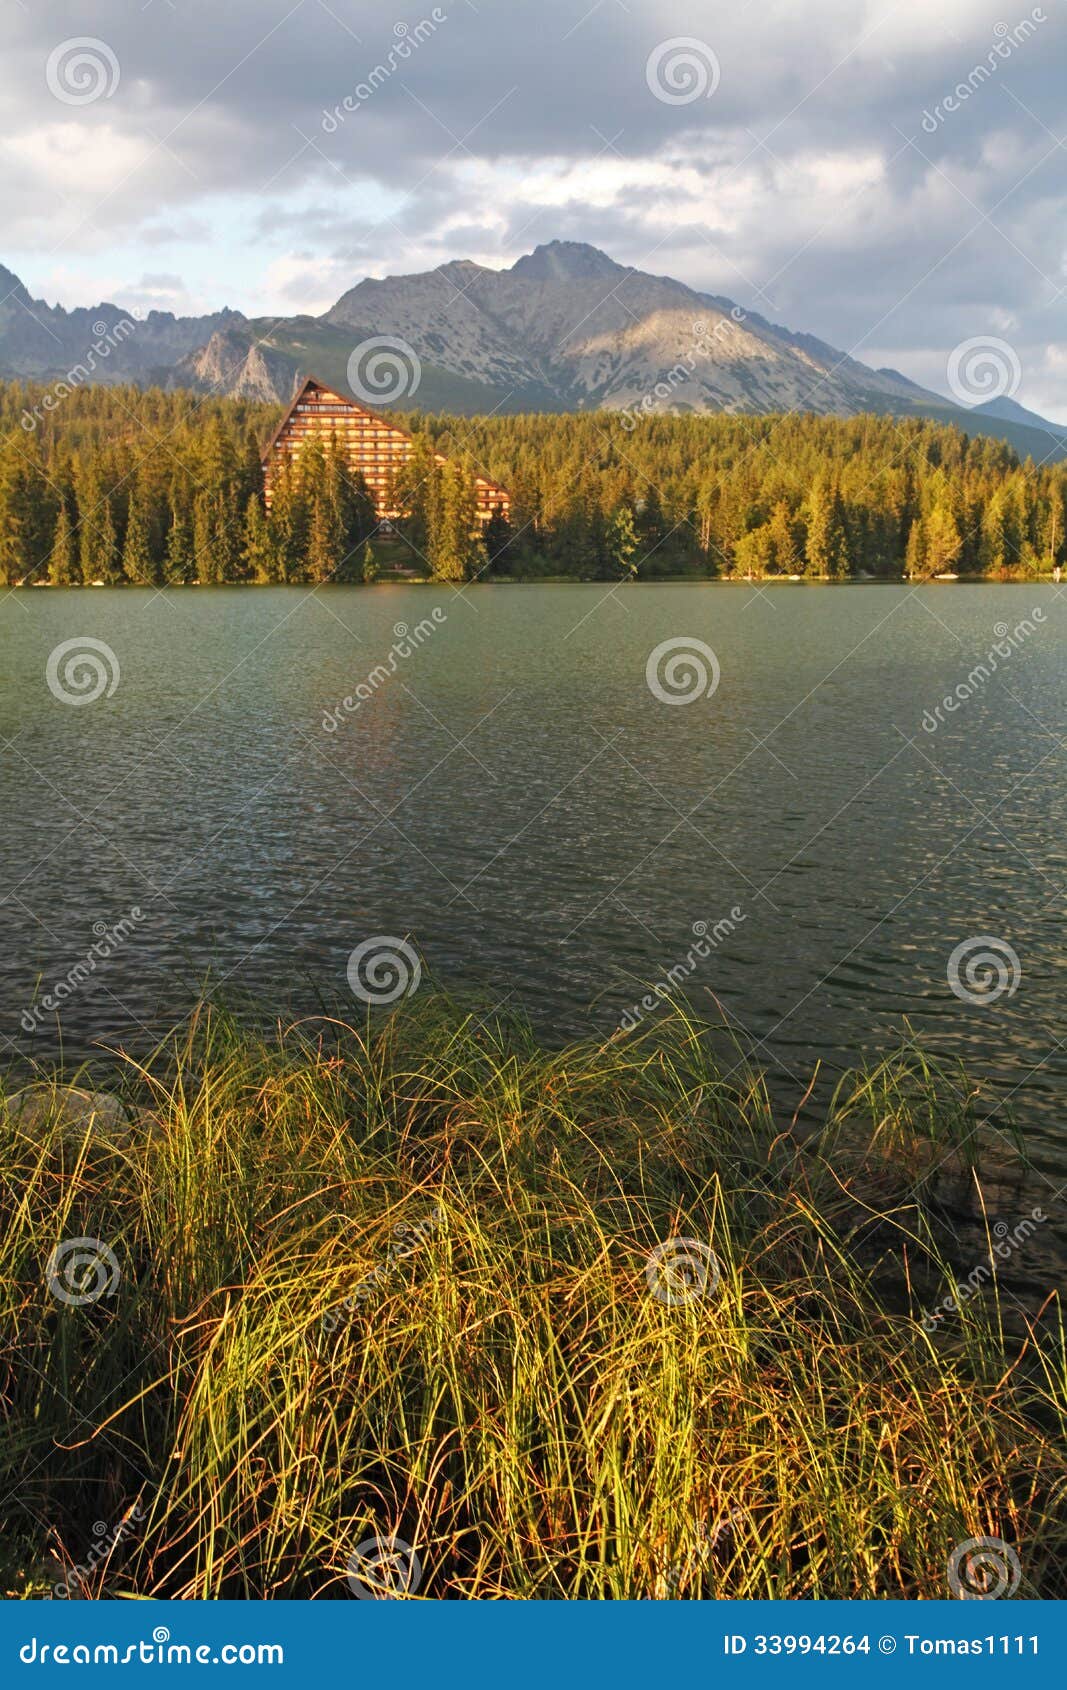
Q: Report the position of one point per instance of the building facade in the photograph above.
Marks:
(374, 447)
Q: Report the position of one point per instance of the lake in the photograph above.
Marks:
(510, 795)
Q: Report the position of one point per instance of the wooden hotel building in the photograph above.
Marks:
(372, 446)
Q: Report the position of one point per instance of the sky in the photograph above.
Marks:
(889, 177)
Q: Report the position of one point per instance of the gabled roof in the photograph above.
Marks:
(308, 383)
(354, 405)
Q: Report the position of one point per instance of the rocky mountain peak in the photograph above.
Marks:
(11, 288)
(567, 261)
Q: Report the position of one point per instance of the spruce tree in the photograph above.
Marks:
(178, 557)
(14, 512)
(942, 541)
(915, 556)
(63, 563)
(826, 549)
(259, 551)
(455, 551)
(324, 539)
(621, 543)
(137, 562)
(417, 490)
(226, 534)
(783, 551)
(203, 539)
(108, 566)
(496, 539)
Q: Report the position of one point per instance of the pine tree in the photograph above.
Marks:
(137, 563)
(782, 541)
(14, 513)
(993, 546)
(826, 550)
(651, 527)
(622, 543)
(455, 551)
(259, 550)
(108, 566)
(915, 556)
(249, 478)
(352, 513)
(417, 491)
(289, 524)
(63, 563)
(178, 557)
(594, 552)
(942, 540)
(324, 539)
(497, 540)
(203, 539)
(28, 509)
(226, 535)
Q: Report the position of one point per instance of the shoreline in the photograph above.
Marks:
(589, 1323)
(684, 580)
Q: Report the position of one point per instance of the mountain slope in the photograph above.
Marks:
(45, 341)
(594, 333)
(565, 328)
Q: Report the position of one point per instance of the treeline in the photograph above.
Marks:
(794, 495)
(117, 484)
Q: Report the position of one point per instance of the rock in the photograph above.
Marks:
(77, 1113)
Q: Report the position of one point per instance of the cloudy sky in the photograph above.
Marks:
(887, 176)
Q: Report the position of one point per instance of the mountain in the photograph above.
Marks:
(235, 364)
(569, 321)
(45, 342)
(565, 328)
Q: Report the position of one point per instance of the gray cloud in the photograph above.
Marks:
(826, 182)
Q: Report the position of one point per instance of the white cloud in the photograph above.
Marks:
(495, 135)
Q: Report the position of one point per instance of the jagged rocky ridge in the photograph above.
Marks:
(565, 328)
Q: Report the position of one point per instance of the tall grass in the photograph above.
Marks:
(391, 1278)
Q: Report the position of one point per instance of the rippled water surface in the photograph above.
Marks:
(518, 802)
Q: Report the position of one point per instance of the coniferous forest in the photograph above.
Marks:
(117, 484)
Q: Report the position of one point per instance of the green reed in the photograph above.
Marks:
(389, 1277)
